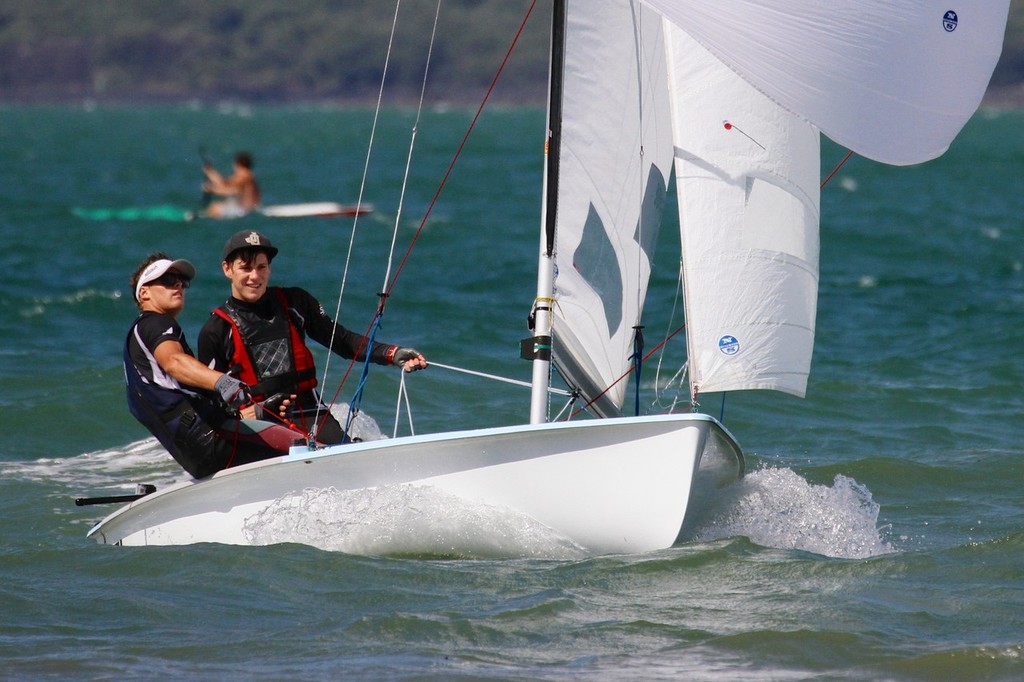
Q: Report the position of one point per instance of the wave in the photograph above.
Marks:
(141, 461)
(776, 507)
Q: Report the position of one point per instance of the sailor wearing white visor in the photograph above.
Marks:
(190, 408)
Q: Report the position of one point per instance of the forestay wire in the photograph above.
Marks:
(356, 401)
(359, 202)
(390, 280)
(357, 397)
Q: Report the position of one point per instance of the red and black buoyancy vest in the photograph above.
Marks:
(271, 356)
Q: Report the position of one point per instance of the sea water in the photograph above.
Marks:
(877, 535)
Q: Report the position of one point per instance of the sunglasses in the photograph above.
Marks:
(171, 280)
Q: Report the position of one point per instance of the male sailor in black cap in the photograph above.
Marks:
(259, 336)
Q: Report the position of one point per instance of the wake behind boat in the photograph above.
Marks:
(634, 95)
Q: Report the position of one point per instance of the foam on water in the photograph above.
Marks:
(403, 520)
(143, 461)
(362, 425)
(776, 507)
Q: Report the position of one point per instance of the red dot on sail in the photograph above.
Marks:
(728, 126)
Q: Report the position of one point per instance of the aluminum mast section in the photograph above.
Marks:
(542, 307)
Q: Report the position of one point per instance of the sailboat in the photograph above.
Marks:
(732, 96)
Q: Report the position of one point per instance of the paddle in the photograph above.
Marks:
(207, 196)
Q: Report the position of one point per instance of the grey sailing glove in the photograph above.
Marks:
(403, 355)
(234, 392)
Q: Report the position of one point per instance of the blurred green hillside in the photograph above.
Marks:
(268, 50)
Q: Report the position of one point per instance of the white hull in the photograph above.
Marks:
(610, 486)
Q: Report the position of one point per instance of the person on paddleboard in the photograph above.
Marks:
(241, 191)
(190, 408)
(259, 333)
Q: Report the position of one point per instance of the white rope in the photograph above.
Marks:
(565, 408)
(403, 394)
(366, 165)
(556, 391)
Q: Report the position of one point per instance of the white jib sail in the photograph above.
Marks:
(616, 155)
(747, 175)
(893, 80)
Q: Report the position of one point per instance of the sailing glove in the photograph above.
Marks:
(274, 403)
(234, 392)
(403, 355)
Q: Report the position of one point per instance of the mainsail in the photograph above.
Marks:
(613, 170)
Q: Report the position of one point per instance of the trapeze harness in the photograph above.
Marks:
(160, 409)
(270, 356)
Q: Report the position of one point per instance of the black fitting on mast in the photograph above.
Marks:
(535, 348)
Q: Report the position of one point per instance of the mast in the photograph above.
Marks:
(542, 307)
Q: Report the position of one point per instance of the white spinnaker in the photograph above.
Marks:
(616, 155)
(893, 80)
(747, 179)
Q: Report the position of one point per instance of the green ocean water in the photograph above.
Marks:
(878, 535)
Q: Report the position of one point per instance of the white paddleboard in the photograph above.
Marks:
(322, 209)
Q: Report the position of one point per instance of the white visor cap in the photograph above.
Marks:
(157, 268)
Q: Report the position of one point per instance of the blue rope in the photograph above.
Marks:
(357, 397)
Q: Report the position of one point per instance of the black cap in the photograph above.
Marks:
(249, 239)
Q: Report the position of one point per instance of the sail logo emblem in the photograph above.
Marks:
(729, 345)
(949, 21)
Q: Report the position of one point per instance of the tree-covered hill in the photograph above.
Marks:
(261, 50)
(268, 50)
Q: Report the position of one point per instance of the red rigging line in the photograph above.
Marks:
(462, 144)
(836, 169)
(630, 370)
